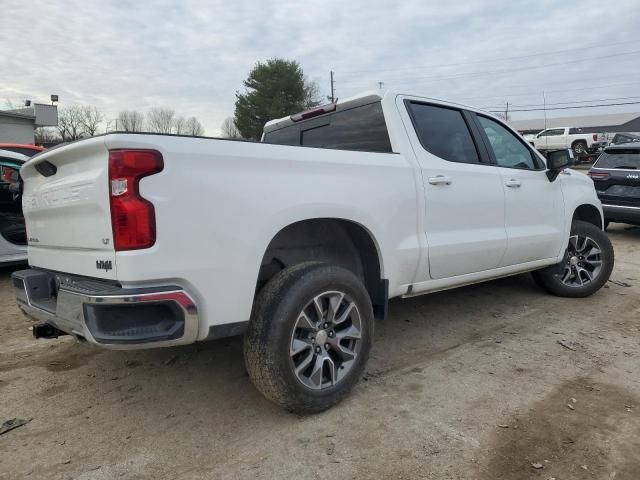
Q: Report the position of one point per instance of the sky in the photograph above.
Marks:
(192, 56)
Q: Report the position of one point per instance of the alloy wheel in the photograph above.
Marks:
(583, 261)
(326, 340)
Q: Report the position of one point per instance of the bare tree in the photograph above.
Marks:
(229, 129)
(312, 97)
(90, 119)
(46, 136)
(180, 126)
(70, 124)
(160, 120)
(130, 121)
(194, 127)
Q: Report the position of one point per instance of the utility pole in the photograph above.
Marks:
(380, 85)
(506, 113)
(333, 91)
(544, 103)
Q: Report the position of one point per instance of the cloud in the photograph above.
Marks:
(193, 55)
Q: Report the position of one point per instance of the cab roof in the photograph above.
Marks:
(363, 98)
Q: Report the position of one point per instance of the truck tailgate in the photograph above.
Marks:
(67, 211)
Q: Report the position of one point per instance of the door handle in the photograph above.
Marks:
(440, 180)
(513, 183)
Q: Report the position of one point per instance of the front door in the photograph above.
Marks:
(465, 210)
(534, 206)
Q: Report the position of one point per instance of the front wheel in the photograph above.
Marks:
(309, 337)
(586, 266)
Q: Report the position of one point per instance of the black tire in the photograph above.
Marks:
(580, 147)
(273, 325)
(550, 278)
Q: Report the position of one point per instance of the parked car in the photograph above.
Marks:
(616, 175)
(619, 138)
(23, 148)
(566, 137)
(140, 241)
(13, 240)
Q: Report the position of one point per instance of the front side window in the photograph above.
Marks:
(555, 132)
(552, 132)
(508, 150)
(444, 132)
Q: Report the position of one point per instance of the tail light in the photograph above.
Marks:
(133, 218)
(598, 175)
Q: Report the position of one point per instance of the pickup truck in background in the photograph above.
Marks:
(142, 240)
(565, 137)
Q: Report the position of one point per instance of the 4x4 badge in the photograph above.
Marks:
(105, 265)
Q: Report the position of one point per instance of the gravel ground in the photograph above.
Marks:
(466, 384)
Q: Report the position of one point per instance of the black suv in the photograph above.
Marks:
(616, 175)
(624, 138)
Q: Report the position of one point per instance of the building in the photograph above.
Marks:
(18, 125)
(610, 123)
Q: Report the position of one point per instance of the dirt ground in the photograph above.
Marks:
(465, 384)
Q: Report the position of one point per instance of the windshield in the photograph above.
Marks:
(625, 159)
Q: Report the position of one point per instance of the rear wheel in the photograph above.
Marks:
(586, 266)
(309, 337)
(580, 147)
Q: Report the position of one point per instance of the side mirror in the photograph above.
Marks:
(558, 160)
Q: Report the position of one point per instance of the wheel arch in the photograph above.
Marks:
(588, 213)
(340, 241)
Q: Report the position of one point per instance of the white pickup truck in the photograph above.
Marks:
(142, 240)
(564, 137)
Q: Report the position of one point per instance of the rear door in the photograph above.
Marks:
(67, 211)
(534, 206)
(464, 211)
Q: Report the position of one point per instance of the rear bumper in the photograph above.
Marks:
(105, 314)
(623, 214)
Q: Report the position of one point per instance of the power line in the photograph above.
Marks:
(508, 70)
(537, 92)
(568, 108)
(532, 93)
(496, 59)
(565, 103)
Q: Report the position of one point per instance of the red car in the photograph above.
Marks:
(24, 149)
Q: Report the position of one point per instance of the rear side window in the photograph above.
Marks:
(443, 132)
(360, 128)
(625, 159)
(575, 131)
